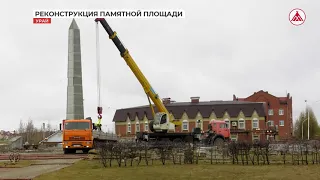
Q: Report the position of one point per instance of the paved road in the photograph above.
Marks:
(38, 168)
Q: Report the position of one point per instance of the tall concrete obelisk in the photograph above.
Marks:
(74, 91)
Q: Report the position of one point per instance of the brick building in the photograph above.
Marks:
(246, 120)
(279, 114)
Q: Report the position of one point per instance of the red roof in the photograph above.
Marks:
(282, 98)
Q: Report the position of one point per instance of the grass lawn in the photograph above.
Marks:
(20, 164)
(91, 169)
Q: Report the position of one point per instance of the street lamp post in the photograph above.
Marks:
(308, 119)
(302, 128)
(308, 124)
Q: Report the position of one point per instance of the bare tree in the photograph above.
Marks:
(34, 135)
(21, 127)
(29, 130)
(49, 127)
(314, 127)
(242, 153)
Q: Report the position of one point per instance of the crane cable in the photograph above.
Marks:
(99, 108)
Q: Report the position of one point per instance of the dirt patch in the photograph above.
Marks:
(37, 168)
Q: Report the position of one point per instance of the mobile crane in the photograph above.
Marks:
(163, 122)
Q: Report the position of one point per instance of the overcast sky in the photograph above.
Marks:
(221, 48)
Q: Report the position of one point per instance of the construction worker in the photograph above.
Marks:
(99, 109)
(94, 124)
(99, 122)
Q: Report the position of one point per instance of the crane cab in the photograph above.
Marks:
(161, 123)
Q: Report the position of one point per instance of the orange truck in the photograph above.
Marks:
(77, 135)
(82, 135)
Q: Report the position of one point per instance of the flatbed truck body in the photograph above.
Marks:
(187, 137)
(217, 134)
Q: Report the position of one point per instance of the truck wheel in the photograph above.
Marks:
(65, 151)
(219, 142)
(85, 151)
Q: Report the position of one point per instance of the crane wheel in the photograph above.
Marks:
(177, 140)
(151, 126)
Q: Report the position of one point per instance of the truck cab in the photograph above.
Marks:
(77, 135)
(219, 127)
(217, 132)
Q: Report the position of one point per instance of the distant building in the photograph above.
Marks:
(246, 120)
(12, 143)
(279, 114)
(55, 139)
(16, 142)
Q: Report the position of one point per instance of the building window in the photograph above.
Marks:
(137, 127)
(227, 123)
(185, 125)
(129, 127)
(270, 123)
(234, 137)
(214, 125)
(146, 126)
(281, 112)
(255, 123)
(270, 112)
(281, 123)
(241, 124)
(255, 138)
